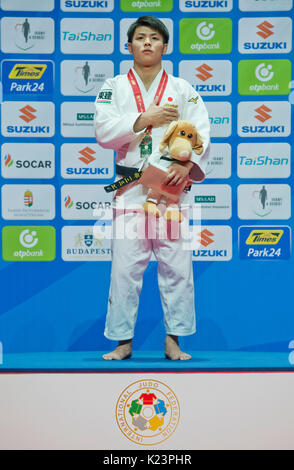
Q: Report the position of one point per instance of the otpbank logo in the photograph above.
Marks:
(87, 36)
(31, 243)
(87, 5)
(146, 5)
(264, 119)
(203, 5)
(265, 77)
(206, 36)
(265, 35)
(264, 242)
(209, 77)
(34, 119)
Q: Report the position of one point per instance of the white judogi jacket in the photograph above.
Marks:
(116, 113)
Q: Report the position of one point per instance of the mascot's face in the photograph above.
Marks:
(182, 138)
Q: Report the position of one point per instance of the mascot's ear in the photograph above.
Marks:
(164, 141)
(197, 144)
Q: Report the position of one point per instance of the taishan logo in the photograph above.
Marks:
(265, 29)
(263, 115)
(205, 237)
(204, 74)
(27, 71)
(28, 115)
(265, 237)
(147, 412)
(87, 155)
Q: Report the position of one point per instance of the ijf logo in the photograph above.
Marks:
(212, 36)
(147, 412)
(265, 36)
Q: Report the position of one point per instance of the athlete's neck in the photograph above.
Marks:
(147, 74)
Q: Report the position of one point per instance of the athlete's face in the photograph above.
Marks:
(147, 46)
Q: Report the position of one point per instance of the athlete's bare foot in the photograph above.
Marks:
(122, 351)
(173, 351)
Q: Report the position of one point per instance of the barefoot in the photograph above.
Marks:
(172, 350)
(151, 208)
(122, 351)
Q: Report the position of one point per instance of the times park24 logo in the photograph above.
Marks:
(147, 412)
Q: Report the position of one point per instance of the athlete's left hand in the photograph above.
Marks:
(177, 173)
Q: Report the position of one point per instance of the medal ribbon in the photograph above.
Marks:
(141, 108)
(138, 95)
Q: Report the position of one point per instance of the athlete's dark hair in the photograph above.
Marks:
(151, 22)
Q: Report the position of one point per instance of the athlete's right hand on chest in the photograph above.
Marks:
(161, 115)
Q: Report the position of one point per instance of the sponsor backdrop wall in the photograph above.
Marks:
(54, 277)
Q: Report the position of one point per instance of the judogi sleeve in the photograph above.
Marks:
(113, 128)
(194, 110)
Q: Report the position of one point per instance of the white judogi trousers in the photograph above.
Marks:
(135, 237)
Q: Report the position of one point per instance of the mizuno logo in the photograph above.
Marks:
(263, 115)
(193, 100)
(265, 31)
(28, 115)
(205, 239)
(87, 155)
(204, 70)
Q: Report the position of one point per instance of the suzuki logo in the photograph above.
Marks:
(205, 239)
(87, 157)
(28, 115)
(204, 70)
(263, 115)
(265, 32)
